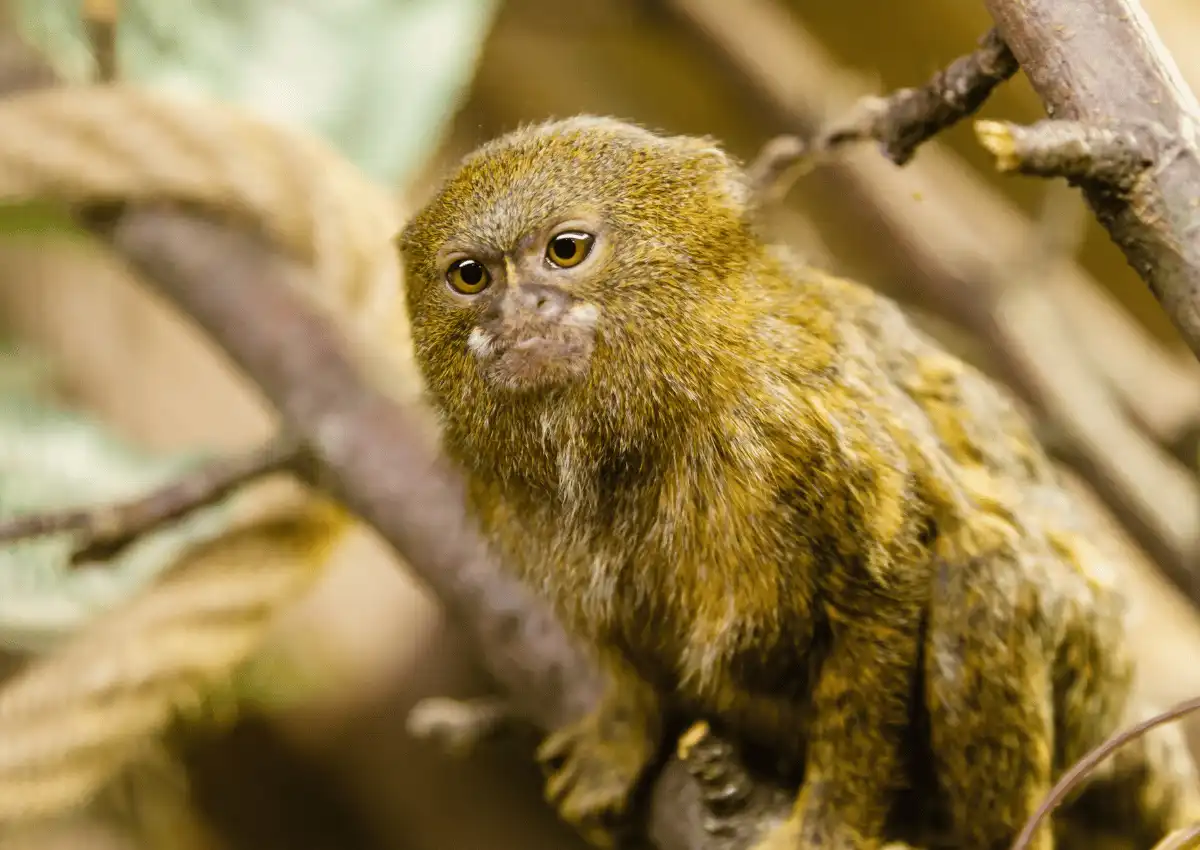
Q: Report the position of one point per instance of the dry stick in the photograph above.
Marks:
(100, 19)
(460, 726)
(1152, 492)
(1088, 763)
(107, 528)
(904, 119)
(1102, 64)
(1181, 839)
(1115, 158)
(901, 121)
(776, 167)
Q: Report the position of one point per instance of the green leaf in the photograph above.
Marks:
(53, 459)
(380, 79)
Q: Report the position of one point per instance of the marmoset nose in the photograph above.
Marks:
(534, 299)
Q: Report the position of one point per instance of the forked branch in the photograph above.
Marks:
(1102, 65)
(1112, 157)
(904, 119)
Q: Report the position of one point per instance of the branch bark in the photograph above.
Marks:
(1113, 157)
(106, 529)
(908, 117)
(1102, 64)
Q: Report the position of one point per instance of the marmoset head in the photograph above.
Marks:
(575, 254)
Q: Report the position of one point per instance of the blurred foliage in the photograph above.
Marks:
(51, 459)
(380, 79)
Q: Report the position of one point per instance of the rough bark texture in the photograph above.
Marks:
(1101, 63)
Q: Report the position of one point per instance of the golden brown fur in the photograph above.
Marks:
(764, 499)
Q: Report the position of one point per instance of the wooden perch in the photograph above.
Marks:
(904, 119)
(1111, 157)
(1101, 64)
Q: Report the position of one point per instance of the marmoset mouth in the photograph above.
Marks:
(522, 352)
(533, 361)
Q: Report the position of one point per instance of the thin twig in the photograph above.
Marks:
(107, 528)
(904, 119)
(1187, 838)
(100, 19)
(1088, 763)
(1114, 157)
(457, 726)
(776, 168)
(900, 121)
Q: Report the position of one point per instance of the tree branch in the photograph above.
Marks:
(900, 121)
(106, 529)
(1111, 157)
(1101, 64)
(1078, 772)
(907, 117)
(100, 20)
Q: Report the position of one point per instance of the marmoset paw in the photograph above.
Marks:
(591, 776)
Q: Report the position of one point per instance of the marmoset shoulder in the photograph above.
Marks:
(763, 498)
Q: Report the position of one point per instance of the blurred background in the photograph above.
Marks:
(1012, 273)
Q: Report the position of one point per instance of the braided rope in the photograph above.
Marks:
(72, 720)
(107, 143)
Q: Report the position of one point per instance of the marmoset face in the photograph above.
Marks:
(568, 253)
(532, 301)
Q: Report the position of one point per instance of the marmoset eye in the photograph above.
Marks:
(469, 277)
(569, 249)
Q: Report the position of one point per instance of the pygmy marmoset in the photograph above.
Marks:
(764, 499)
